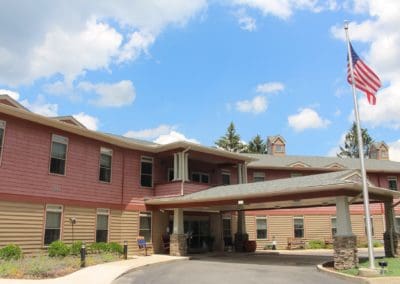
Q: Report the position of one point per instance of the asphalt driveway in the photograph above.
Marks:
(235, 269)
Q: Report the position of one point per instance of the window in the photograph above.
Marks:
(58, 154)
(170, 174)
(146, 172)
(279, 148)
(372, 226)
(384, 154)
(2, 129)
(145, 226)
(53, 223)
(226, 177)
(261, 223)
(105, 164)
(392, 183)
(298, 227)
(200, 177)
(102, 225)
(227, 227)
(397, 218)
(333, 226)
(258, 176)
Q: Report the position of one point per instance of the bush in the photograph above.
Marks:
(97, 247)
(76, 247)
(316, 244)
(58, 248)
(10, 252)
(115, 248)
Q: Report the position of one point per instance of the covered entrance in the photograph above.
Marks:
(338, 189)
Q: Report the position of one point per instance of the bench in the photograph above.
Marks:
(142, 245)
(296, 243)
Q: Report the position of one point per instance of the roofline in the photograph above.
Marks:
(51, 122)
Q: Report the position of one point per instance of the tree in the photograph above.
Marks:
(350, 147)
(231, 140)
(257, 145)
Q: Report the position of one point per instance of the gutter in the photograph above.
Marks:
(184, 170)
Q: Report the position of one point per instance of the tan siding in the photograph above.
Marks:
(159, 226)
(280, 227)
(115, 226)
(130, 230)
(378, 227)
(251, 227)
(22, 224)
(317, 227)
(85, 226)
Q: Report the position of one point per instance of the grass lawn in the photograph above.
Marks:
(43, 266)
(393, 268)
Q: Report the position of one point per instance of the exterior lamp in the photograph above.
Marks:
(383, 264)
(240, 202)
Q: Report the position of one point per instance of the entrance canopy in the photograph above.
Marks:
(296, 192)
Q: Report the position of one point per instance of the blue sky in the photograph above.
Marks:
(165, 70)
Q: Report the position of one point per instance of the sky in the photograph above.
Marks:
(170, 70)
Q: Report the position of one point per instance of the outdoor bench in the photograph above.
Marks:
(142, 245)
(296, 243)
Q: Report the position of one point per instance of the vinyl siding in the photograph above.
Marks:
(85, 226)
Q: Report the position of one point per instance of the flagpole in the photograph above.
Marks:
(361, 155)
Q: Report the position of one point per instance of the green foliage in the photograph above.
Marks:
(316, 244)
(10, 252)
(393, 268)
(350, 147)
(97, 247)
(231, 140)
(364, 244)
(58, 248)
(115, 248)
(256, 145)
(76, 247)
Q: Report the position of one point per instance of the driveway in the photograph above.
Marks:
(235, 269)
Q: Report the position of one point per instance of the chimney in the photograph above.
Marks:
(276, 145)
(379, 151)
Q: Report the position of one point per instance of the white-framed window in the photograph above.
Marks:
(392, 183)
(384, 154)
(397, 224)
(226, 177)
(145, 225)
(298, 227)
(146, 171)
(102, 225)
(258, 176)
(58, 156)
(333, 226)
(170, 174)
(293, 175)
(261, 224)
(105, 164)
(279, 148)
(372, 226)
(2, 133)
(52, 231)
(200, 177)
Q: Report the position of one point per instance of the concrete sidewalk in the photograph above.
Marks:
(101, 273)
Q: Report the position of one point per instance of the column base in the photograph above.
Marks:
(178, 245)
(240, 239)
(345, 252)
(391, 250)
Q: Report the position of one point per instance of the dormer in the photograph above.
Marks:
(8, 101)
(379, 151)
(69, 119)
(276, 145)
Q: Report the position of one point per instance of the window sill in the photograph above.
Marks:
(57, 175)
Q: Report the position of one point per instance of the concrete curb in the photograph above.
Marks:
(354, 279)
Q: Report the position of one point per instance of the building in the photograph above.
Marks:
(60, 180)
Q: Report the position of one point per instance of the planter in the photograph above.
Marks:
(250, 246)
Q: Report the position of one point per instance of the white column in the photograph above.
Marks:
(240, 173)
(343, 222)
(176, 166)
(186, 167)
(181, 166)
(178, 221)
(244, 172)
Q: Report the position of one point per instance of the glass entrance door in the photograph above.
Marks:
(198, 232)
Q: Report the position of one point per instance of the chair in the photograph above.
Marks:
(165, 242)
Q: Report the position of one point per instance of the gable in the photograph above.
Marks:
(69, 120)
(335, 166)
(299, 165)
(8, 101)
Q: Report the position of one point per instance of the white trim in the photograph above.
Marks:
(61, 140)
(54, 208)
(103, 211)
(150, 160)
(392, 178)
(266, 225)
(258, 175)
(147, 214)
(107, 152)
(2, 126)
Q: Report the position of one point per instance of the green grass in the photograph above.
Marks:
(393, 268)
(43, 266)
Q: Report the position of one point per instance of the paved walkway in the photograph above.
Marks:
(100, 274)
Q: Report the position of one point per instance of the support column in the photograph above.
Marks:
(345, 242)
(390, 238)
(178, 245)
(241, 236)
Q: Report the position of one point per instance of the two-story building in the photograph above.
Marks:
(59, 180)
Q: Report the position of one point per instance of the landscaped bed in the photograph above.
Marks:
(393, 268)
(59, 260)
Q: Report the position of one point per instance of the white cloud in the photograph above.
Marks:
(87, 120)
(270, 87)
(246, 22)
(151, 133)
(307, 119)
(257, 105)
(173, 136)
(12, 94)
(40, 106)
(335, 150)
(73, 37)
(394, 151)
(111, 95)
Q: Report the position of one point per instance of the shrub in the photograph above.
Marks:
(76, 247)
(97, 247)
(316, 244)
(10, 252)
(58, 248)
(115, 248)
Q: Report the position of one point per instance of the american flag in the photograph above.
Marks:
(365, 79)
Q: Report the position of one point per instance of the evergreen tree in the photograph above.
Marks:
(257, 145)
(350, 147)
(231, 140)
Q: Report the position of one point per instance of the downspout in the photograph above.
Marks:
(123, 178)
(183, 169)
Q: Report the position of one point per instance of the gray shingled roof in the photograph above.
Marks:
(134, 140)
(314, 162)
